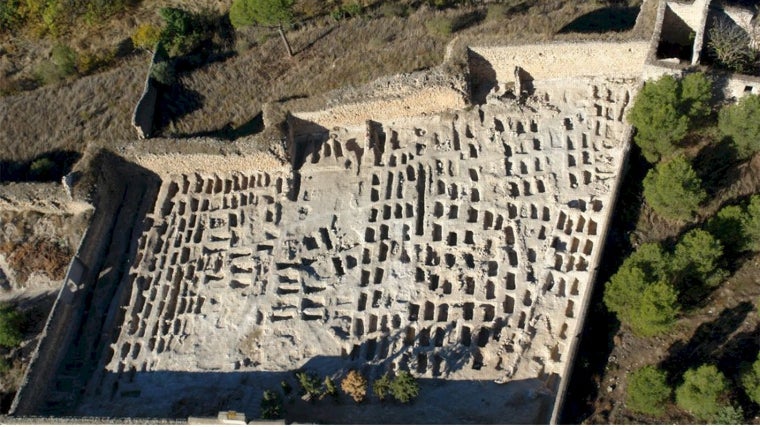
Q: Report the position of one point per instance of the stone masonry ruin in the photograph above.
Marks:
(458, 240)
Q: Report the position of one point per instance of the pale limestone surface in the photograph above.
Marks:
(458, 245)
(566, 60)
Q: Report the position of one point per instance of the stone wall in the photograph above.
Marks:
(563, 60)
(145, 110)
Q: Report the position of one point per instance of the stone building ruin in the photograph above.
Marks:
(448, 227)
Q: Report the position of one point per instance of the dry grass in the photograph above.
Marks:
(66, 117)
(330, 54)
(37, 256)
(350, 53)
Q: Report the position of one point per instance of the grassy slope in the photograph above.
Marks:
(330, 55)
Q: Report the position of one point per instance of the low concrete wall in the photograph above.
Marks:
(145, 110)
(565, 60)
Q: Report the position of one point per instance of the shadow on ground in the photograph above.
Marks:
(612, 18)
(47, 167)
(181, 394)
(709, 342)
(600, 325)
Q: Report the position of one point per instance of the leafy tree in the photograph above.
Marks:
(270, 13)
(750, 380)
(271, 405)
(751, 224)
(10, 326)
(404, 387)
(740, 122)
(382, 386)
(701, 392)
(696, 259)
(657, 118)
(647, 390)
(728, 227)
(355, 385)
(673, 189)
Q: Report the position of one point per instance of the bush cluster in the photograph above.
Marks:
(702, 391)
(648, 391)
(673, 189)
(645, 291)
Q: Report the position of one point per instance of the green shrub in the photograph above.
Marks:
(656, 310)
(271, 405)
(310, 384)
(404, 387)
(701, 392)
(164, 72)
(728, 227)
(262, 12)
(673, 189)
(440, 26)
(183, 31)
(750, 380)
(751, 224)
(65, 59)
(696, 259)
(42, 169)
(382, 386)
(647, 391)
(10, 326)
(729, 415)
(740, 123)
(330, 388)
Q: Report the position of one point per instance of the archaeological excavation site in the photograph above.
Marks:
(446, 223)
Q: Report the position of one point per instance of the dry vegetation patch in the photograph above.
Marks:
(37, 256)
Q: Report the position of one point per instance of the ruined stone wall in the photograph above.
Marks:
(428, 100)
(736, 86)
(145, 110)
(564, 60)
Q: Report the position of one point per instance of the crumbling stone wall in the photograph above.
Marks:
(562, 60)
(145, 110)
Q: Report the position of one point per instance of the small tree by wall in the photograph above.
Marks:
(740, 123)
(382, 386)
(673, 189)
(404, 387)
